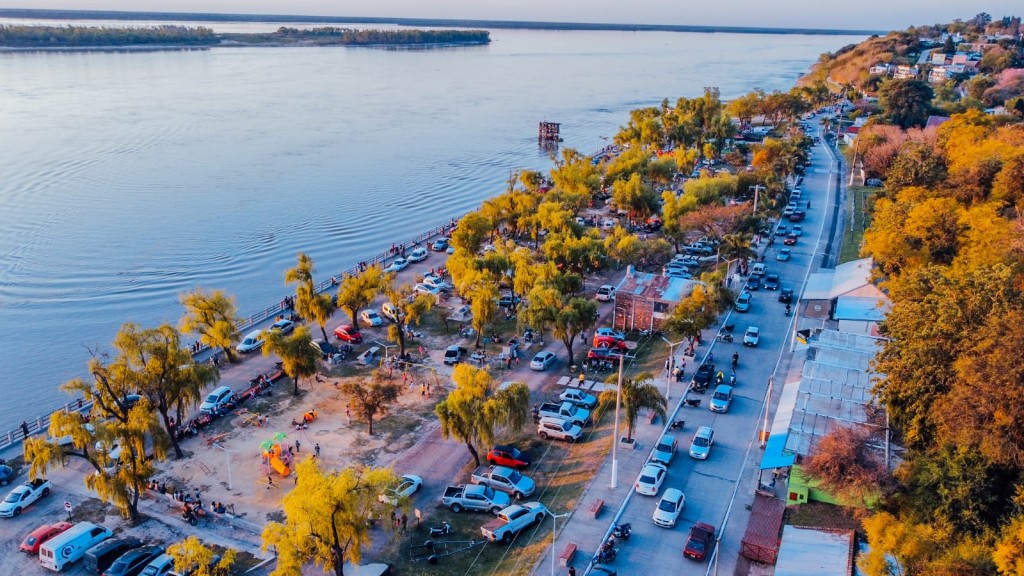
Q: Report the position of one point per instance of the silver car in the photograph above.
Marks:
(700, 446)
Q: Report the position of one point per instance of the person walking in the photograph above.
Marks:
(24, 428)
(270, 482)
(316, 450)
(298, 447)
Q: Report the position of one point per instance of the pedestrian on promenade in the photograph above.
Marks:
(316, 450)
(270, 482)
(298, 447)
(24, 428)
(348, 414)
(572, 571)
(423, 389)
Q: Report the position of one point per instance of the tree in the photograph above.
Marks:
(470, 416)
(357, 291)
(483, 297)
(906, 102)
(309, 305)
(409, 308)
(575, 316)
(635, 197)
(1009, 550)
(167, 374)
(326, 518)
(898, 547)
(115, 420)
(698, 310)
(848, 466)
(371, 398)
(298, 357)
(193, 557)
(637, 393)
(214, 316)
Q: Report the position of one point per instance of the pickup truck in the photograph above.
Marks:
(20, 498)
(505, 479)
(513, 519)
(475, 497)
(565, 411)
(454, 354)
(578, 397)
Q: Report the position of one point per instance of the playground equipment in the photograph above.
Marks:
(273, 457)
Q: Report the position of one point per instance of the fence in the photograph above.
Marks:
(40, 424)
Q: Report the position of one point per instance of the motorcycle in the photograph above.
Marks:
(622, 531)
(788, 310)
(443, 530)
(692, 403)
(677, 424)
(735, 360)
(606, 554)
(724, 337)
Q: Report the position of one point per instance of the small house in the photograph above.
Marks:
(644, 301)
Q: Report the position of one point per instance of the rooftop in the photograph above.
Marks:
(655, 286)
(813, 552)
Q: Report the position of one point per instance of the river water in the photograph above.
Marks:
(129, 178)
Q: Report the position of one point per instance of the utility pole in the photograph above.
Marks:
(553, 534)
(615, 435)
(757, 189)
(767, 408)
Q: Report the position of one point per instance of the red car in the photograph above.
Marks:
(603, 353)
(609, 342)
(507, 456)
(39, 536)
(702, 537)
(790, 240)
(348, 333)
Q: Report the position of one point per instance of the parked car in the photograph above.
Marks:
(71, 545)
(753, 284)
(371, 318)
(284, 326)
(608, 342)
(390, 311)
(253, 341)
(651, 478)
(784, 255)
(324, 347)
(665, 450)
(669, 508)
(439, 245)
(24, 495)
(422, 288)
(558, 429)
(407, 486)
(721, 400)
(37, 537)
(605, 293)
(454, 354)
(418, 255)
(604, 353)
(508, 301)
(701, 537)
(7, 474)
(771, 282)
(606, 331)
(398, 265)
(348, 333)
(543, 360)
(700, 446)
(752, 336)
(159, 566)
(704, 374)
(578, 397)
(508, 456)
(133, 561)
(217, 400)
(743, 301)
(102, 555)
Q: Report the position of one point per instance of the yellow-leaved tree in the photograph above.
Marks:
(326, 518)
(193, 557)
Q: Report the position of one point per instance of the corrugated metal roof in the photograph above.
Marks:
(655, 286)
(861, 308)
(810, 552)
(819, 286)
(850, 276)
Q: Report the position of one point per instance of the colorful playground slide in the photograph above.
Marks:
(279, 466)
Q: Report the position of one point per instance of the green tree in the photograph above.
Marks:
(298, 357)
(698, 310)
(167, 374)
(309, 305)
(326, 518)
(483, 297)
(410, 310)
(357, 291)
(635, 197)
(637, 393)
(370, 398)
(906, 102)
(214, 316)
(193, 557)
(470, 416)
(572, 318)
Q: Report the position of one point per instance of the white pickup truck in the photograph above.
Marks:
(505, 479)
(23, 495)
(476, 497)
(513, 519)
(566, 411)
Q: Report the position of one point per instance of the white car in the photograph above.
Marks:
(578, 397)
(284, 325)
(721, 400)
(371, 318)
(19, 498)
(669, 508)
(752, 336)
(408, 486)
(665, 450)
(651, 478)
(390, 311)
(700, 446)
(606, 331)
(418, 255)
(398, 265)
(606, 293)
(425, 289)
(253, 341)
(542, 360)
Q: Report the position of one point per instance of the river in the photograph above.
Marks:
(129, 178)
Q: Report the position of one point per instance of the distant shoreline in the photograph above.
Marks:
(450, 23)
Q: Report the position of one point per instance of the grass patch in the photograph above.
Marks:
(856, 222)
(822, 515)
(562, 472)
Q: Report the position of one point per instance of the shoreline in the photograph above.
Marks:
(229, 44)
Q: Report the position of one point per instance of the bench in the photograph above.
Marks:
(596, 507)
(566, 558)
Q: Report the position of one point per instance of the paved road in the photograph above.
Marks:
(718, 488)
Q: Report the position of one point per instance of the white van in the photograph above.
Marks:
(253, 341)
(68, 547)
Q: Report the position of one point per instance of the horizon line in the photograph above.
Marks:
(48, 13)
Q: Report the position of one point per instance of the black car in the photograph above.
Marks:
(6, 474)
(771, 282)
(704, 374)
(797, 216)
(133, 561)
(753, 284)
(102, 555)
(324, 348)
(786, 296)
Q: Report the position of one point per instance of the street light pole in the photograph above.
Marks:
(553, 534)
(669, 362)
(767, 408)
(227, 453)
(757, 189)
(615, 434)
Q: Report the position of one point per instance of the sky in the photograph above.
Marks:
(860, 14)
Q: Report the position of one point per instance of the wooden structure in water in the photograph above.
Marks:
(548, 132)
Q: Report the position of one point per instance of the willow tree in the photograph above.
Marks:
(357, 291)
(409, 309)
(637, 393)
(214, 316)
(470, 416)
(309, 305)
(298, 357)
(193, 557)
(118, 419)
(325, 518)
(371, 397)
(168, 376)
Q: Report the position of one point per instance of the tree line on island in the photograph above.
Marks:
(18, 36)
